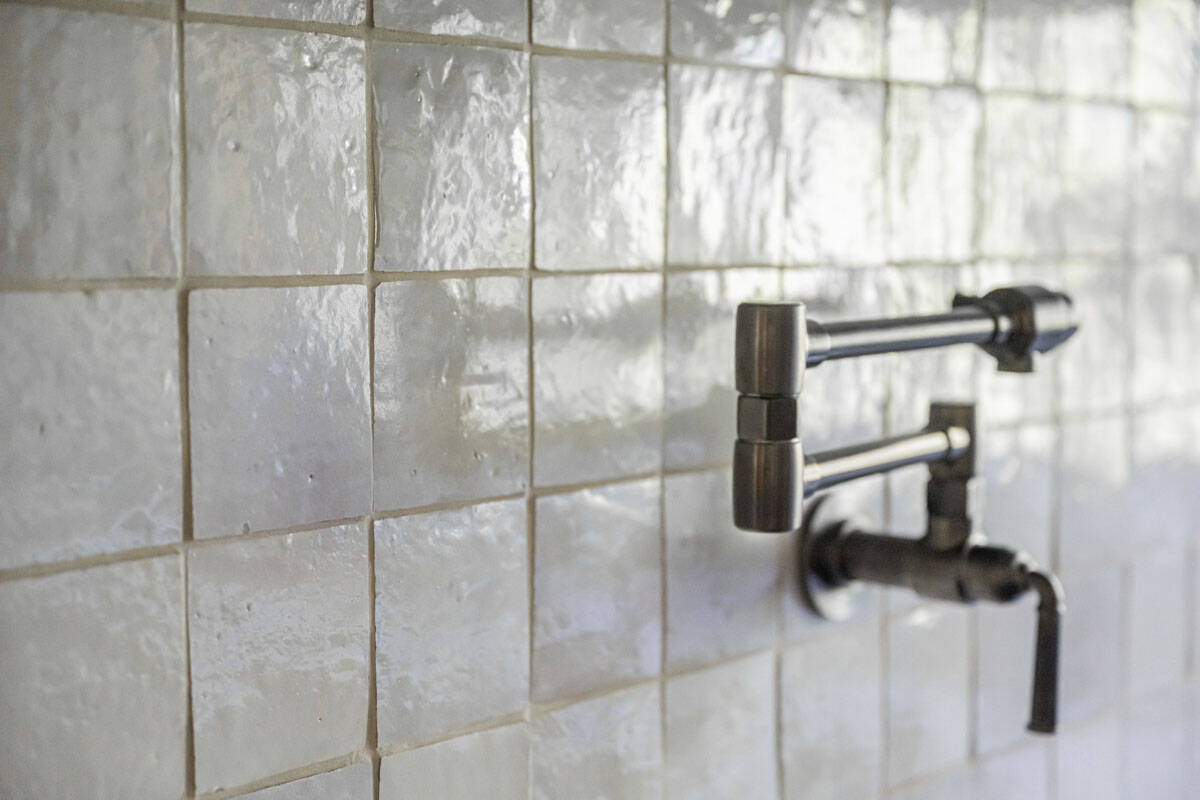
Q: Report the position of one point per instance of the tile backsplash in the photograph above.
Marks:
(366, 394)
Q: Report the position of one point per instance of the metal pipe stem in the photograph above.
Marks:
(963, 325)
(831, 467)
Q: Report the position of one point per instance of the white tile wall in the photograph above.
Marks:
(301, 421)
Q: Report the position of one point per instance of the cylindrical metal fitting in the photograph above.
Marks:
(771, 347)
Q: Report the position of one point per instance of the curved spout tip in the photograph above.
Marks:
(1043, 716)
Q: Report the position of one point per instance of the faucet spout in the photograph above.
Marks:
(1043, 717)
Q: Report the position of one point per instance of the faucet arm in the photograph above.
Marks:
(1044, 714)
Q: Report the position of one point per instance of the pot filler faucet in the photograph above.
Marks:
(772, 475)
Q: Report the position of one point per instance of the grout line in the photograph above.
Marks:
(530, 385)
(664, 753)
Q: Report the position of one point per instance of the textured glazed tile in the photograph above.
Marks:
(89, 414)
(597, 617)
(624, 25)
(1164, 41)
(489, 765)
(1090, 760)
(598, 387)
(1094, 366)
(1167, 186)
(721, 731)
(1166, 470)
(1166, 321)
(93, 665)
(87, 183)
(345, 12)
(832, 730)
(453, 149)
(726, 194)
(1095, 161)
(348, 783)
(452, 619)
(933, 41)
(1005, 644)
(745, 32)
(603, 748)
(931, 175)
(501, 19)
(1157, 620)
(1093, 641)
(281, 428)
(279, 648)
(276, 128)
(1018, 773)
(1021, 177)
(722, 583)
(928, 690)
(700, 398)
(1017, 467)
(1023, 46)
(1096, 42)
(1095, 518)
(833, 143)
(836, 37)
(451, 391)
(1158, 744)
(599, 161)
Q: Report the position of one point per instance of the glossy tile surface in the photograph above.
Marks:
(499, 19)
(279, 633)
(1006, 644)
(598, 393)
(279, 412)
(1090, 760)
(1166, 319)
(602, 748)
(452, 142)
(451, 620)
(1165, 468)
(348, 783)
(93, 664)
(836, 37)
(1164, 41)
(89, 414)
(599, 160)
(1092, 642)
(630, 26)
(1017, 468)
(933, 41)
(747, 32)
(1094, 365)
(721, 731)
(1167, 190)
(1159, 743)
(833, 140)
(87, 183)
(1094, 513)
(276, 152)
(700, 398)
(1157, 624)
(597, 590)
(1022, 46)
(345, 12)
(451, 391)
(726, 193)
(1096, 207)
(489, 765)
(722, 583)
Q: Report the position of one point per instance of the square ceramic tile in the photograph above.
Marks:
(598, 385)
(1167, 183)
(631, 26)
(1164, 41)
(1158, 606)
(931, 172)
(726, 194)
(1005, 656)
(597, 590)
(451, 391)
(721, 731)
(88, 181)
(933, 41)
(1017, 468)
(607, 747)
(700, 398)
(1090, 760)
(1097, 37)
(94, 668)
(833, 141)
(276, 127)
(89, 413)
(451, 619)
(281, 426)
(746, 32)
(836, 37)
(344, 12)
(1162, 498)
(832, 729)
(1095, 160)
(279, 631)
(599, 161)
(1094, 365)
(1095, 517)
(452, 144)
(499, 19)
(928, 691)
(1165, 307)
(722, 583)
(489, 765)
(1093, 643)
(1023, 46)
(1158, 744)
(1021, 179)
(348, 783)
